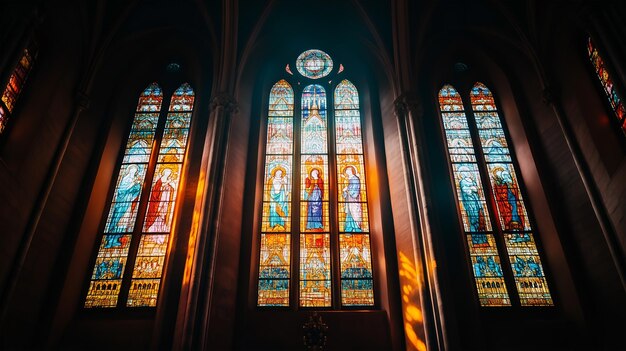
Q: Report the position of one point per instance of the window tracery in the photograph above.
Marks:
(331, 225)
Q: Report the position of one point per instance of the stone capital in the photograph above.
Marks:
(224, 100)
(407, 103)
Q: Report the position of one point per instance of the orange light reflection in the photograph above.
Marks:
(411, 282)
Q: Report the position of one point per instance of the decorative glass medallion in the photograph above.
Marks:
(314, 64)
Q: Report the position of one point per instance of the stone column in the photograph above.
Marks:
(421, 313)
(81, 103)
(195, 309)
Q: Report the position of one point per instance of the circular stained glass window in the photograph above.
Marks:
(314, 64)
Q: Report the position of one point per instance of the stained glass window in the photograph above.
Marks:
(354, 242)
(479, 235)
(528, 272)
(315, 285)
(607, 84)
(275, 264)
(330, 213)
(484, 224)
(146, 218)
(314, 64)
(15, 85)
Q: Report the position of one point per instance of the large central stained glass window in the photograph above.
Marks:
(314, 241)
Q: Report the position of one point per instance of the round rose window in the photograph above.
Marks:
(314, 64)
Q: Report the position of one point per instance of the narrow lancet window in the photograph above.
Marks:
(514, 223)
(315, 277)
(354, 240)
(275, 264)
(15, 85)
(607, 84)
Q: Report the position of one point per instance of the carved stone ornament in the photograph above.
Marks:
(407, 103)
(226, 101)
(315, 333)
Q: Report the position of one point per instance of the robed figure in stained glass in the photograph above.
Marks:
(109, 269)
(314, 195)
(278, 198)
(161, 201)
(352, 196)
(127, 195)
(473, 207)
(507, 197)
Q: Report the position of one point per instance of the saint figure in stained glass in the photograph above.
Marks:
(470, 199)
(160, 206)
(314, 195)
(352, 196)
(507, 197)
(279, 207)
(126, 200)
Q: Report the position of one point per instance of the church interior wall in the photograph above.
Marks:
(95, 59)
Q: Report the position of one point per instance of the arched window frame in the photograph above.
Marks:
(173, 120)
(512, 294)
(298, 84)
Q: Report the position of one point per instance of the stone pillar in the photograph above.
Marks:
(81, 103)
(421, 313)
(195, 307)
(551, 99)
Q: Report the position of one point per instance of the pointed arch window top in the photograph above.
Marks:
(449, 99)
(281, 99)
(151, 99)
(314, 64)
(346, 96)
(481, 98)
(183, 98)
